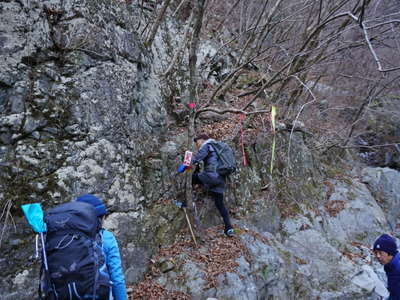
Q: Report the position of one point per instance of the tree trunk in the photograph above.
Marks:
(193, 79)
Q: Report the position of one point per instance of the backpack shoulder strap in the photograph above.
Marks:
(99, 237)
(213, 144)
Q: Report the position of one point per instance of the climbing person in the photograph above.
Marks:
(209, 178)
(385, 250)
(110, 248)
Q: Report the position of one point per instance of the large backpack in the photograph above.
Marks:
(226, 158)
(75, 258)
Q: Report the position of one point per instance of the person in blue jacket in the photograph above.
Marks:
(110, 248)
(209, 177)
(385, 249)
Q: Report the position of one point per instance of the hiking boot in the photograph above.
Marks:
(230, 232)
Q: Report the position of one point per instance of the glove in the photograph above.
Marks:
(181, 168)
(180, 204)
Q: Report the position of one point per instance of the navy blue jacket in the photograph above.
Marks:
(209, 177)
(207, 154)
(392, 270)
(114, 266)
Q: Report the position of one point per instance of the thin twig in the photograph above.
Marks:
(297, 117)
(180, 48)
(226, 15)
(373, 146)
(157, 23)
(6, 215)
(178, 8)
(383, 23)
(368, 40)
(230, 110)
(267, 84)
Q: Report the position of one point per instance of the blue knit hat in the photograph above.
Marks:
(386, 243)
(96, 202)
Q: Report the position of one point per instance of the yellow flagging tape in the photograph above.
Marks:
(273, 117)
(273, 125)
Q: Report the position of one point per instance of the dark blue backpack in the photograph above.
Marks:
(75, 257)
(226, 158)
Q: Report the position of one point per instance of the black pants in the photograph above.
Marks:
(219, 203)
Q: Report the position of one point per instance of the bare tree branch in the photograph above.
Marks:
(226, 17)
(368, 40)
(193, 81)
(157, 23)
(199, 11)
(374, 146)
(179, 7)
(181, 46)
(267, 84)
(297, 117)
(229, 110)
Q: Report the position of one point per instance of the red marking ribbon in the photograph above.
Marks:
(241, 118)
(191, 105)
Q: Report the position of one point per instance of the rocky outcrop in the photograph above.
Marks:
(320, 253)
(383, 184)
(81, 111)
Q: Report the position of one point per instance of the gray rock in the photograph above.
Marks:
(31, 124)
(361, 219)
(383, 183)
(232, 286)
(369, 281)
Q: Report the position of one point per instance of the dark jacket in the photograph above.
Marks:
(207, 154)
(209, 177)
(392, 270)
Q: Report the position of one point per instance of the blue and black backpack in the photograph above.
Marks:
(226, 158)
(75, 258)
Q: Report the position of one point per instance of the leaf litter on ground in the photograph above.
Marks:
(216, 255)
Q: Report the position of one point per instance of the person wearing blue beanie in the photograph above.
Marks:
(385, 249)
(99, 206)
(110, 248)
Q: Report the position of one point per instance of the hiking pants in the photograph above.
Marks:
(219, 202)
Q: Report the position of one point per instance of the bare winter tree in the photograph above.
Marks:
(324, 64)
(288, 48)
(343, 51)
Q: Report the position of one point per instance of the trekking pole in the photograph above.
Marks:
(35, 216)
(190, 226)
(36, 246)
(182, 205)
(46, 266)
(181, 169)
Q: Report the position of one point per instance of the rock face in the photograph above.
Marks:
(84, 110)
(382, 183)
(81, 111)
(321, 253)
